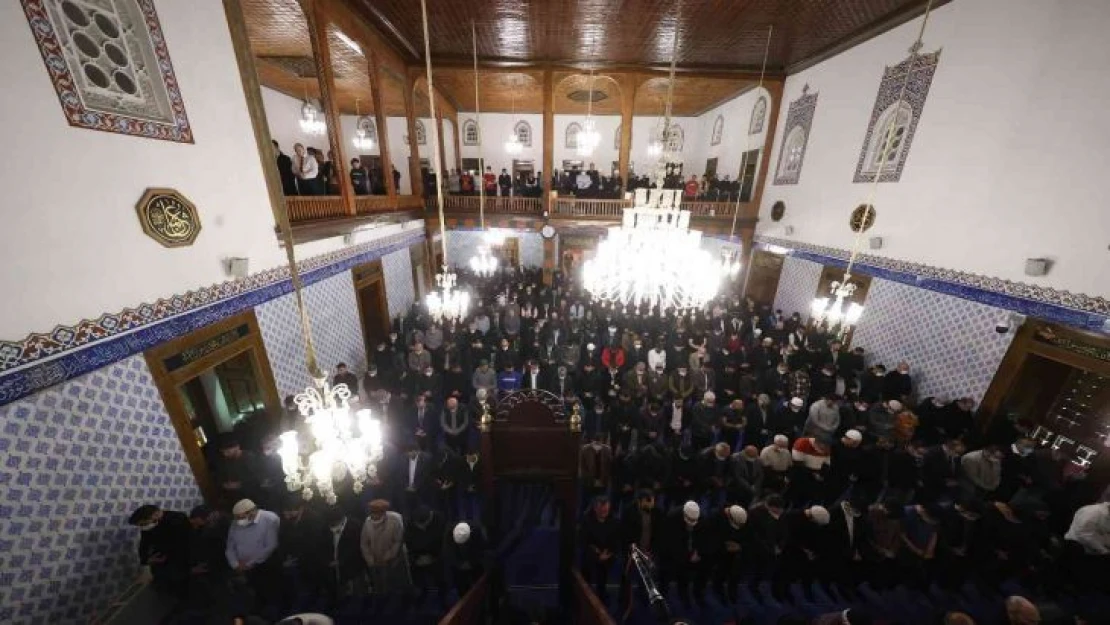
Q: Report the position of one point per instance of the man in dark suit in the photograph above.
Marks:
(413, 475)
(300, 538)
(339, 544)
(423, 424)
(844, 536)
(534, 377)
(941, 470)
(561, 383)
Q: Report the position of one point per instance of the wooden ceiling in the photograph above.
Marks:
(721, 34)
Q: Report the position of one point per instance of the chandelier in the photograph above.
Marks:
(588, 137)
(513, 145)
(653, 258)
(345, 445)
(447, 303)
(312, 122)
(729, 265)
(655, 148)
(362, 140)
(484, 263)
(831, 310)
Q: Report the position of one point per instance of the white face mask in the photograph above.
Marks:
(242, 522)
(149, 526)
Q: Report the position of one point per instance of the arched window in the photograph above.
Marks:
(617, 138)
(571, 142)
(889, 136)
(718, 130)
(676, 138)
(421, 134)
(793, 149)
(470, 132)
(366, 125)
(759, 114)
(523, 132)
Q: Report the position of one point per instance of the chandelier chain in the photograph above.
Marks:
(435, 130)
(478, 123)
(748, 141)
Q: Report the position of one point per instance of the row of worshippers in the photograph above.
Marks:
(263, 561)
(310, 171)
(523, 184)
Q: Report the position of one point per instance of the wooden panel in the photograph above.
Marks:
(763, 281)
(692, 96)
(721, 34)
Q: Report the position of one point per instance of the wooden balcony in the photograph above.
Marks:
(585, 209)
(307, 208)
(322, 216)
(526, 206)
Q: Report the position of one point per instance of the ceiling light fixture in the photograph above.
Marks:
(362, 139)
(312, 121)
(446, 302)
(588, 137)
(831, 310)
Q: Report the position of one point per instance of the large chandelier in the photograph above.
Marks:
(729, 264)
(513, 145)
(362, 140)
(831, 310)
(312, 122)
(588, 137)
(653, 258)
(447, 303)
(345, 444)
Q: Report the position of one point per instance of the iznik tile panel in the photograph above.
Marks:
(797, 286)
(949, 342)
(78, 458)
(336, 332)
(400, 292)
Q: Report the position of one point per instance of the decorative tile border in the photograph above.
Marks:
(40, 361)
(1073, 309)
(69, 91)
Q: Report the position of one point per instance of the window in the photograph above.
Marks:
(676, 138)
(571, 142)
(523, 132)
(718, 130)
(793, 149)
(421, 134)
(759, 114)
(889, 137)
(470, 132)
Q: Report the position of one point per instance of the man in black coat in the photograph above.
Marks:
(424, 535)
(941, 471)
(601, 539)
(746, 471)
(164, 547)
(465, 554)
(207, 562)
(730, 532)
(840, 553)
(342, 555)
(768, 536)
(687, 552)
(301, 550)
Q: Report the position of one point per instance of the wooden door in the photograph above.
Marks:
(509, 252)
(763, 278)
(711, 168)
(183, 366)
(373, 303)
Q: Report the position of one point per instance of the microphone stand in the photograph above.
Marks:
(645, 568)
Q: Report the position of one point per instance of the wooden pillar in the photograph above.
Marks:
(442, 164)
(325, 78)
(458, 145)
(416, 182)
(548, 130)
(373, 67)
(629, 85)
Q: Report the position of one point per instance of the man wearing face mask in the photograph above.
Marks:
(758, 415)
(251, 542)
(746, 484)
(688, 544)
(732, 538)
(344, 571)
(982, 472)
(299, 545)
(533, 376)
(163, 547)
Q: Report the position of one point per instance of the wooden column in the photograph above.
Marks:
(325, 78)
(416, 182)
(458, 145)
(629, 85)
(442, 164)
(548, 130)
(374, 68)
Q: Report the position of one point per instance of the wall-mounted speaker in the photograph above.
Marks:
(789, 230)
(238, 267)
(1036, 266)
(876, 243)
(349, 238)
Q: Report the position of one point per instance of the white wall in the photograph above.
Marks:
(496, 128)
(735, 139)
(283, 115)
(605, 153)
(1008, 161)
(74, 248)
(644, 127)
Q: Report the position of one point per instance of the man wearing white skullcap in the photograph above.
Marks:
(464, 553)
(689, 542)
(806, 541)
(732, 538)
(777, 461)
(818, 514)
(251, 540)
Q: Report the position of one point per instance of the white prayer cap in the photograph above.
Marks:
(819, 515)
(853, 435)
(737, 515)
(797, 402)
(709, 396)
(895, 405)
(781, 439)
(461, 533)
(691, 511)
(591, 346)
(243, 506)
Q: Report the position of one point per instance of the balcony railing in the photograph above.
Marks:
(304, 208)
(576, 207)
(498, 205)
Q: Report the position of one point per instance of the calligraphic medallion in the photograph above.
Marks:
(168, 217)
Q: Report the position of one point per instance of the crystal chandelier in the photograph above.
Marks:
(312, 122)
(729, 264)
(362, 140)
(655, 148)
(447, 303)
(630, 268)
(346, 444)
(484, 263)
(513, 145)
(588, 138)
(831, 310)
